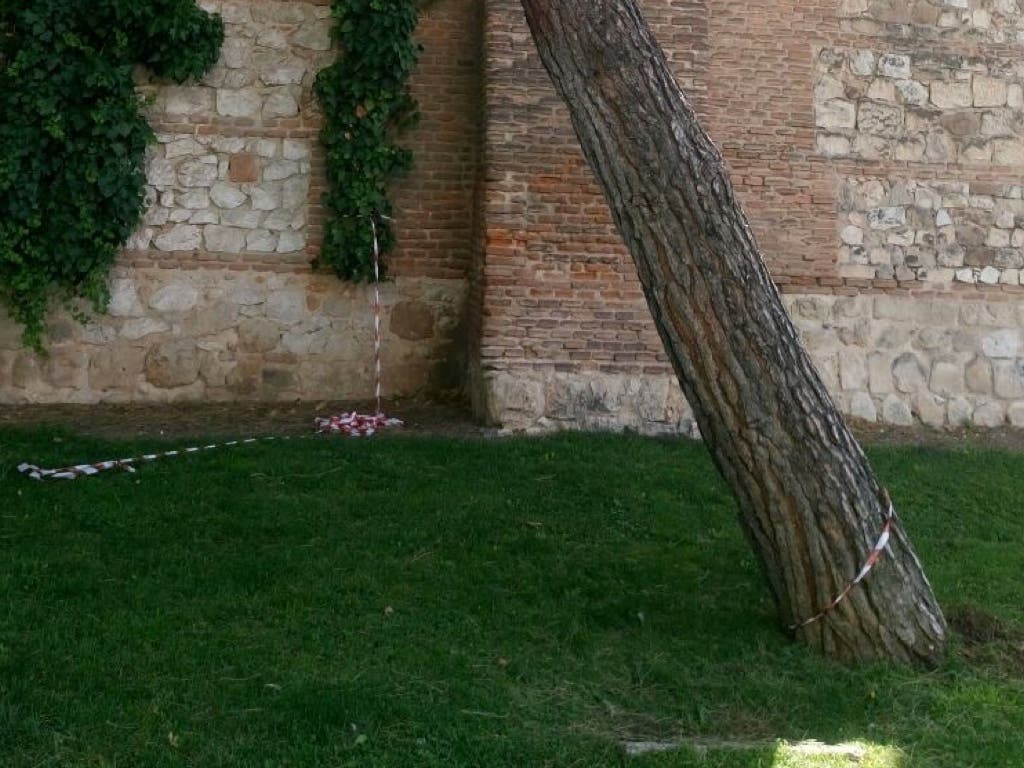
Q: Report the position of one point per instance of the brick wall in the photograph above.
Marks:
(214, 297)
(875, 145)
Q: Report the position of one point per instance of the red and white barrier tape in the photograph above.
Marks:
(355, 424)
(869, 565)
(129, 464)
(348, 424)
(378, 346)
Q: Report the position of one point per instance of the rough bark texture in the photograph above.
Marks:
(809, 500)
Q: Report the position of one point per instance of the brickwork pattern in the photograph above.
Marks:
(875, 145)
(215, 297)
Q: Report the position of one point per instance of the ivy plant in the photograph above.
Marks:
(73, 139)
(367, 102)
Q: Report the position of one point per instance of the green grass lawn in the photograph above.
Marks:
(429, 602)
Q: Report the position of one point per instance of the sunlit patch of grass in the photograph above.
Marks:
(814, 754)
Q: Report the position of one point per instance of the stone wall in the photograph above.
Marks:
(998, 21)
(932, 231)
(920, 106)
(896, 360)
(214, 297)
(212, 334)
(903, 359)
(877, 146)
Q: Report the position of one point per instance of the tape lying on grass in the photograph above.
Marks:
(348, 424)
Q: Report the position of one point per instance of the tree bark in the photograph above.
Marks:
(809, 501)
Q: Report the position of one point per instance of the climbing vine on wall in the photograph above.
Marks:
(72, 138)
(366, 101)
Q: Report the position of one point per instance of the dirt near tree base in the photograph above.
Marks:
(989, 438)
(989, 640)
(192, 420)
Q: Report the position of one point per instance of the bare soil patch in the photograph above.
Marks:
(449, 418)
(187, 420)
(988, 639)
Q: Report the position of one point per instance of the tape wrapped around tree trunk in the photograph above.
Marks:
(809, 500)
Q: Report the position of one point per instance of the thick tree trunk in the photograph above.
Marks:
(809, 500)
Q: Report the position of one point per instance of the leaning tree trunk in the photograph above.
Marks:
(809, 501)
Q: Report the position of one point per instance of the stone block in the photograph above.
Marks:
(124, 299)
(295, 192)
(196, 173)
(930, 410)
(894, 308)
(896, 411)
(287, 307)
(175, 297)
(294, 149)
(266, 197)
(412, 320)
(880, 373)
(880, 119)
(1001, 344)
(209, 320)
(951, 95)
(947, 378)
(279, 170)
(141, 327)
(161, 172)
(185, 101)
(833, 146)
(989, 91)
(280, 104)
(221, 239)
(1009, 379)
(887, 218)
(261, 241)
(853, 371)
(862, 62)
(227, 195)
(115, 367)
(1016, 414)
(894, 65)
(245, 102)
(959, 412)
(182, 237)
(291, 242)
(315, 37)
(990, 414)
(173, 364)
(242, 218)
(258, 335)
(836, 114)
(1008, 151)
(26, 371)
(514, 398)
(912, 92)
(909, 373)
(862, 406)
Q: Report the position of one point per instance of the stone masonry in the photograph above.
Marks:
(214, 298)
(877, 145)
